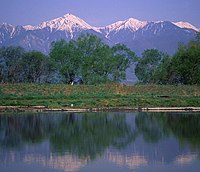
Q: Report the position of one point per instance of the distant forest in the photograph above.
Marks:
(88, 60)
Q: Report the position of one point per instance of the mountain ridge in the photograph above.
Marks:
(67, 22)
(135, 23)
(137, 35)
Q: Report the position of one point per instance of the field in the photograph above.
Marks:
(99, 96)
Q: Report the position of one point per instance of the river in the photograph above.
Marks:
(113, 142)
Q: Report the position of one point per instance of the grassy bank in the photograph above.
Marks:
(80, 96)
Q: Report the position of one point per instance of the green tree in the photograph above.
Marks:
(123, 57)
(96, 59)
(9, 64)
(186, 64)
(147, 65)
(67, 59)
(197, 39)
(35, 66)
(90, 60)
(182, 68)
(163, 74)
(101, 63)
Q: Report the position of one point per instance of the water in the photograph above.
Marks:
(112, 142)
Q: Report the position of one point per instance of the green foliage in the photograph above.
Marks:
(147, 65)
(163, 73)
(16, 66)
(123, 57)
(198, 38)
(35, 67)
(186, 64)
(182, 68)
(90, 60)
(96, 58)
(10, 64)
(66, 59)
(86, 60)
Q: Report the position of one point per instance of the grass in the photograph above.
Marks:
(82, 96)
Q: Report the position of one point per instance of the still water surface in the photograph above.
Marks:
(113, 142)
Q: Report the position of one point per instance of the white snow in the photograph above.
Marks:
(72, 24)
(9, 28)
(12, 32)
(186, 25)
(29, 27)
(131, 23)
(68, 23)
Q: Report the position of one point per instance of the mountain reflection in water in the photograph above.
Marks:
(74, 141)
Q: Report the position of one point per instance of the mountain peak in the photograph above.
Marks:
(5, 25)
(68, 15)
(137, 35)
(71, 17)
(134, 24)
(186, 25)
(131, 24)
(133, 20)
(68, 22)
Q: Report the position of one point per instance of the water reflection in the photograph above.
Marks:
(69, 142)
(185, 127)
(64, 163)
(89, 135)
(185, 159)
(131, 161)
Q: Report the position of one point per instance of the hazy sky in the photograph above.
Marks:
(99, 12)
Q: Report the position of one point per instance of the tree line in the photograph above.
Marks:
(182, 68)
(88, 60)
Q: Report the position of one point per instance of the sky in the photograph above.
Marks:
(99, 12)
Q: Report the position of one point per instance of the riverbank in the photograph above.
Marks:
(111, 97)
(45, 109)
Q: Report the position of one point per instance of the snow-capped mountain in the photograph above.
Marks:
(130, 24)
(137, 35)
(141, 35)
(68, 23)
(9, 32)
(41, 36)
(186, 25)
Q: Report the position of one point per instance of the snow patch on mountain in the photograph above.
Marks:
(131, 23)
(29, 27)
(71, 23)
(7, 27)
(68, 22)
(186, 25)
(137, 35)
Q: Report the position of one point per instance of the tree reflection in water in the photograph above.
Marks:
(19, 129)
(85, 135)
(89, 135)
(156, 126)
